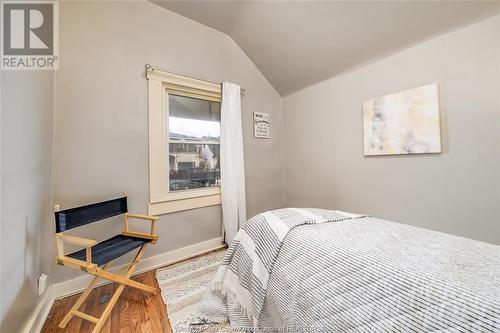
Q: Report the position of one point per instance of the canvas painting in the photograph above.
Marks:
(406, 122)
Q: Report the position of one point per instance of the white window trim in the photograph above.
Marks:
(161, 201)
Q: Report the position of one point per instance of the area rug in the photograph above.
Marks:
(183, 285)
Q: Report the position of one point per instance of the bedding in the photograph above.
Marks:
(312, 270)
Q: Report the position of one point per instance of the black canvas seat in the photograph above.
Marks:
(96, 257)
(111, 249)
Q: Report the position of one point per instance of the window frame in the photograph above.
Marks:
(160, 84)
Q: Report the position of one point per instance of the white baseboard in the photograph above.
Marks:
(42, 310)
(75, 286)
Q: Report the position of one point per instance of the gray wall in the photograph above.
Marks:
(457, 191)
(26, 174)
(101, 114)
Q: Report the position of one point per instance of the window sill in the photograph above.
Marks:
(181, 201)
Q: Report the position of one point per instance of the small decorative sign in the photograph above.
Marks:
(261, 125)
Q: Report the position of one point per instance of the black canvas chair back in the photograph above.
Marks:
(76, 217)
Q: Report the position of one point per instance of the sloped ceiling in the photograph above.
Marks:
(298, 43)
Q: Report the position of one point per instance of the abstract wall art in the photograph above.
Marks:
(406, 122)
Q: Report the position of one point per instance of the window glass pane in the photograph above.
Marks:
(193, 166)
(193, 149)
(192, 118)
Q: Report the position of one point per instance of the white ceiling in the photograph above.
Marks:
(299, 43)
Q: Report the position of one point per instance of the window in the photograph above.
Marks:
(184, 142)
(193, 143)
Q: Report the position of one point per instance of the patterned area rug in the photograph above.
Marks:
(184, 284)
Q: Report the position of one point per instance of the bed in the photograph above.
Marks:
(314, 270)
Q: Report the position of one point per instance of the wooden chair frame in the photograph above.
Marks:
(91, 268)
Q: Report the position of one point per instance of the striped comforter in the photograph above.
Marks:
(288, 270)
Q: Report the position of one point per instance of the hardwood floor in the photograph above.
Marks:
(136, 311)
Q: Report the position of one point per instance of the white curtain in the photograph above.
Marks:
(234, 212)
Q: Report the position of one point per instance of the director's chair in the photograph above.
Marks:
(96, 257)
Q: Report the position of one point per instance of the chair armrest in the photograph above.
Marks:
(152, 219)
(143, 217)
(77, 240)
(88, 243)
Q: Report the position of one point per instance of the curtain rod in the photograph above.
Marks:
(153, 68)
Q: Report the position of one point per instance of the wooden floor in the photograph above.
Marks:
(136, 311)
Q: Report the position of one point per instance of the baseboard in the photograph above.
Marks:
(75, 286)
(42, 310)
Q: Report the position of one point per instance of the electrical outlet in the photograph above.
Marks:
(42, 283)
